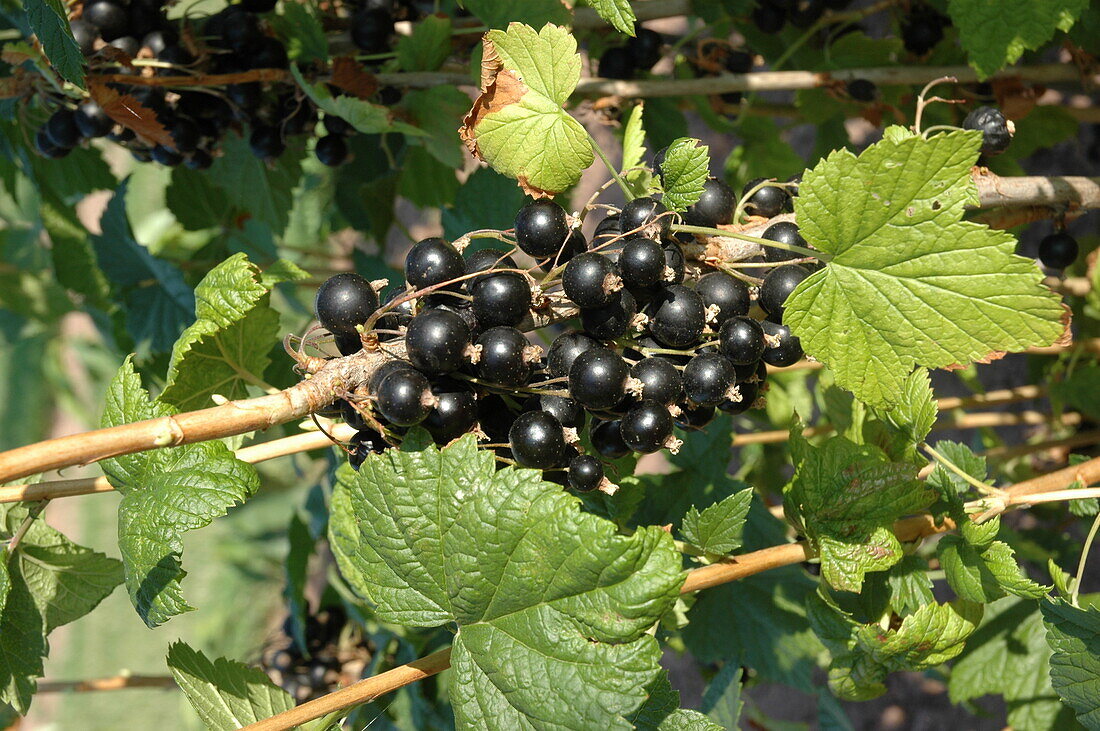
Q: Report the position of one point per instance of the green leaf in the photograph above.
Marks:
(296, 571)
(535, 13)
(1081, 390)
(165, 492)
(984, 574)
(196, 201)
(763, 153)
(995, 33)
(910, 283)
(301, 31)
(683, 172)
(662, 712)
(915, 411)
(263, 191)
(616, 12)
(427, 47)
(486, 200)
(425, 181)
(722, 698)
(22, 639)
(552, 605)
(910, 587)
(226, 694)
(950, 485)
(438, 113)
(1074, 636)
(518, 125)
(50, 23)
(1008, 655)
(362, 115)
(846, 496)
(634, 151)
(718, 528)
(227, 346)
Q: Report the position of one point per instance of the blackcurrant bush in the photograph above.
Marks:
(726, 292)
(542, 228)
(455, 412)
(537, 440)
(641, 262)
(108, 17)
(769, 201)
(332, 150)
(597, 378)
(371, 29)
(787, 352)
(404, 397)
(996, 130)
(484, 260)
(661, 380)
(61, 128)
(644, 48)
(607, 439)
(589, 280)
(783, 232)
(646, 215)
(613, 320)
(646, 427)
(768, 18)
(266, 142)
(741, 339)
(777, 287)
(676, 316)
(1058, 250)
(692, 416)
(85, 34)
(565, 349)
(616, 63)
(862, 90)
(503, 298)
(344, 301)
(715, 206)
(564, 409)
(707, 378)
(585, 473)
(433, 261)
(437, 340)
(503, 358)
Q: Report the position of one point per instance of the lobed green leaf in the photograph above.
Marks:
(683, 172)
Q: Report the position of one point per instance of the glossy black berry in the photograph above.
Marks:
(641, 262)
(266, 142)
(787, 352)
(503, 360)
(996, 133)
(661, 380)
(85, 34)
(351, 416)
(862, 90)
(332, 150)
(574, 245)
(747, 392)
(397, 316)
(404, 397)
(607, 439)
(597, 378)
(542, 228)
(455, 412)
(158, 40)
(437, 340)
(108, 17)
(366, 442)
(676, 316)
(46, 148)
(726, 292)
(646, 427)
(613, 320)
(433, 261)
(616, 63)
(646, 215)
(783, 232)
(1058, 250)
(714, 207)
(922, 30)
(371, 29)
(768, 18)
(606, 230)
(777, 287)
(793, 183)
(741, 339)
(484, 260)
(503, 298)
(692, 416)
(644, 48)
(61, 128)
(344, 301)
(769, 201)
(565, 349)
(589, 280)
(707, 378)
(127, 44)
(585, 473)
(564, 409)
(537, 440)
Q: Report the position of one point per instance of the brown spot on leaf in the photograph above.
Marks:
(350, 76)
(131, 114)
(936, 205)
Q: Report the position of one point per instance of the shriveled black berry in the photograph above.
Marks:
(589, 280)
(777, 287)
(782, 232)
(616, 63)
(266, 142)
(996, 133)
(433, 261)
(585, 473)
(332, 150)
(726, 292)
(1058, 250)
(436, 341)
(597, 378)
(502, 359)
(404, 397)
(484, 260)
(607, 439)
(371, 29)
(646, 215)
(503, 298)
(644, 48)
(714, 207)
(787, 352)
(564, 409)
(92, 121)
(641, 262)
(108, 17)
(707, 378)
(344, 301)
(646, 427)
(769, 201)
(542, 228)
(613, 320)
(862, 90)
(676, 316)
(62, 129)
(741, 339)
(537, 440)
(661, 380)
(565, 349)
(455, 412)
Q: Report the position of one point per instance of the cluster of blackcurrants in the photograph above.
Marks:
(651, 350)
(330, 654)
(235, 39)
(771, 15)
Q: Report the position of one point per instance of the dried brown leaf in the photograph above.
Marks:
(350, 76)
(131, 114)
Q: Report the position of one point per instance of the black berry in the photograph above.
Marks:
(707, 378)
(769, 201)
(542, 228)
(741, 339)
(777, 287)
(332, 150)
(589, 280)
(787, 352)
(728, 293)
(661, 380)
(404, 397)
(676, 316)
(371, 29)
(537, 440)
(455, 412)
(436, 341)
(484, 260)
(644, 48)
(607, 439)
(433, 261)
(503, 298)
(714, 207)
(646, 215)
(613, 320)
(995, 129)
(1058, 250)
(641, 262)
(597, 378)
(502, 360)
(564, 350)
(585, 473)
(344, 301)
(862, 90)
(564, 409)
(783, 232)
(61, 128)
(616, 63)
(646, 427)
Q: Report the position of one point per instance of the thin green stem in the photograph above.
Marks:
(705, 231)
(969, 479)
(610, 168)
(1084, 558)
